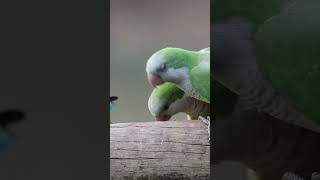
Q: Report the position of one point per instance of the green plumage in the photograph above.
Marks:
(256, 11)
(223, 104)
(168, 92)
(167, 99)
(288, 53)
(285, 56)
(198, 65)
(200, 80)
(178, 57)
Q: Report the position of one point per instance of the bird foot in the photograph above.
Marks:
(292, 176)
(207, 122)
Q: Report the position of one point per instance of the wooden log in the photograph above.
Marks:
(170, 150)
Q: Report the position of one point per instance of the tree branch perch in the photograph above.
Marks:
(159, 150)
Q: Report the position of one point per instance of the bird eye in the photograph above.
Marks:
(162, 67)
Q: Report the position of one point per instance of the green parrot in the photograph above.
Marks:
(167, 100)
(189, 70)
(267, 54)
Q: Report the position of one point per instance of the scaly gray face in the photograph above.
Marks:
(159, 70)
(165, 101)
(155, 68)
(162, 110)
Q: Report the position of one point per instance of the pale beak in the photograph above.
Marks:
(154, 80)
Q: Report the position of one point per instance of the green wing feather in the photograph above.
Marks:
(168, 92)
(200, 80)
(288, 53)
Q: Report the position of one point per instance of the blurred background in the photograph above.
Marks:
(137, 30)
(140, 28)
(51, 70)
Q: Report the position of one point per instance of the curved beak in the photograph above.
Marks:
(163, 118)
(154, 80)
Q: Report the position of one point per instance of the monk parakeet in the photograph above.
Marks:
(268, 53)
(7, 137)
(112, 99)
(167, 100)
(189, 70)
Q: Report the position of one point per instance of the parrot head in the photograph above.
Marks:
(165, 101)
(171, 65)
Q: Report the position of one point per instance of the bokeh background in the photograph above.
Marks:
(140, 28)
(137, 30)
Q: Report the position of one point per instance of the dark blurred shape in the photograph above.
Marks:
(113, 98)
(11, 116)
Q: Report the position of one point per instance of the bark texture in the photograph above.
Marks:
(171, 150)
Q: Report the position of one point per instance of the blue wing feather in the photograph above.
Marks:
(6, 139)
(112, 99)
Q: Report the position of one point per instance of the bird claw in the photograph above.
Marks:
(292, 176)
(207, 122)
